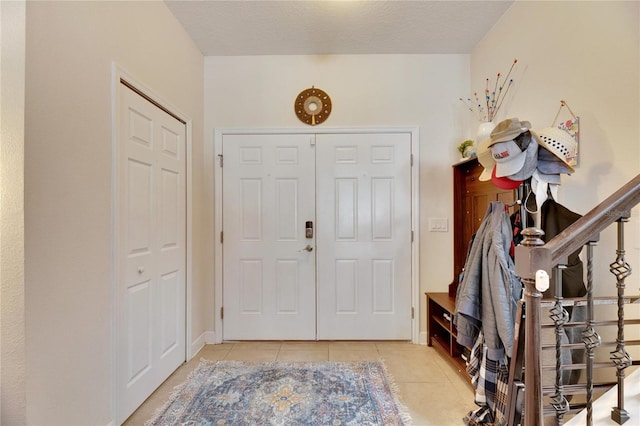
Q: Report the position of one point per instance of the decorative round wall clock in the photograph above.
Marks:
(312, 106)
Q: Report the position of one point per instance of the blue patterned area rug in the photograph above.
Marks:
(285, 393)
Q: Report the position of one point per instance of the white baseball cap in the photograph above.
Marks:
(509, 158)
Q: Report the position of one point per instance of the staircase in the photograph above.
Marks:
(532, 400)
(601, 410)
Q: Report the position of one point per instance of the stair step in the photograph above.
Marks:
(581, 345)
(582, 301)
(595, 323)
(578, 389)
(549, 411)
(566, 367)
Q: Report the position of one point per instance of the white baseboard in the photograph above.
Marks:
(210, 337)
(206, 338)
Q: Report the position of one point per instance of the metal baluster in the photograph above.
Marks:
(590, 336)
(621, 269)
(560, 317)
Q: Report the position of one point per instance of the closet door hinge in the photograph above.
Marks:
(411, 160)
(221, 157)
(221, 237)
(222, 312)
(412, 312)
(411, 236)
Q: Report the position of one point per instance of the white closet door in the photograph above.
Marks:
(151, 249)
(268, 196)
(364, 236)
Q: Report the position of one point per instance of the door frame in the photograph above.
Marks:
(118, 73)
(219, 133)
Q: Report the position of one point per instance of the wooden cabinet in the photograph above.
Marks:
(471, 198)
(441, 333)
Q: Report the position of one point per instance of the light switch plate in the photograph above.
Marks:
(438, 224)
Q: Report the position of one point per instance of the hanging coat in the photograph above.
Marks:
(490, 289)
(555, 218)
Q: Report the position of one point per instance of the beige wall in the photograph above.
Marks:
(12, 323)
(70, 49)
(365, 90)
(583, 52)
(587, 53)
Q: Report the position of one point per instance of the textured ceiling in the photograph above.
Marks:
(302, 27)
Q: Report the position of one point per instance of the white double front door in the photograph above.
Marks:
(316, 236)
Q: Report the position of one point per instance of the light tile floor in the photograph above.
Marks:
(430, 387)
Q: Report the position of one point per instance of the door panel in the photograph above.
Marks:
(364, 236)
(268, 195)
(151, 250)
(359, 188)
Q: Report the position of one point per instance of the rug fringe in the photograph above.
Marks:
(405, 416)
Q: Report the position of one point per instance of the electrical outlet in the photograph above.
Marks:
(438, 224)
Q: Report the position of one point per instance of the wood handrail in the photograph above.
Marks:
(576, 235)
(616, 206)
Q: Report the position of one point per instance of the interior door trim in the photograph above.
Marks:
(415, 208)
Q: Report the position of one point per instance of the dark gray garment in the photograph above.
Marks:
(490, 289)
